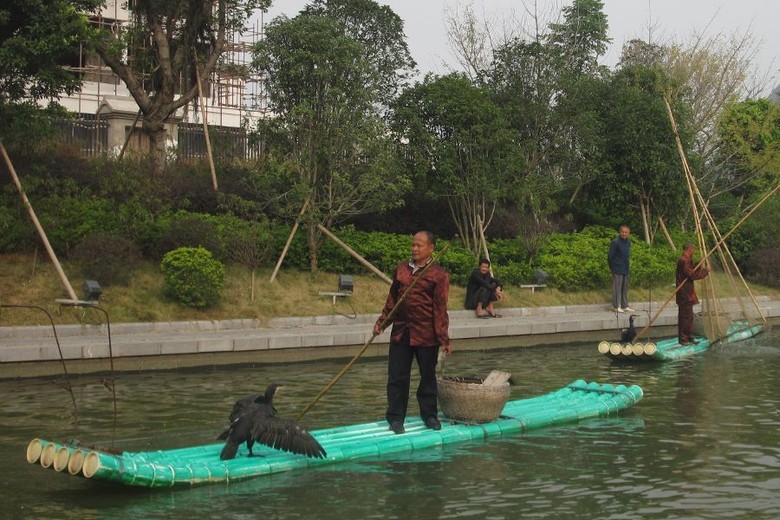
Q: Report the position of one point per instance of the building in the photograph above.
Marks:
(106, 112)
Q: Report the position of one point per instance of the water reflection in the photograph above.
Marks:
(702, 444)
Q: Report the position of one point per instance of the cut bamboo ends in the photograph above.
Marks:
(91, 465)
(627, 350)
(76, 461)
(61, 456)
(47, 455)
(56, 456)
(34, 449)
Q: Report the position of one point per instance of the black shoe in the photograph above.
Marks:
(433, 423)
(694, 342)
(397, 427)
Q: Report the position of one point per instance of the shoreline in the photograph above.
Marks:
(33, 351)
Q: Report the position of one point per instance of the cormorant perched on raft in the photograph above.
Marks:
(628, 335)
(253, 419)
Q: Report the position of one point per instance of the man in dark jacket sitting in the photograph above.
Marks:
(482, 290)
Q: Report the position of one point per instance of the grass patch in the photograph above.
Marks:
(32, 280)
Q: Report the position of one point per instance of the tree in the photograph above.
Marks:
(166, 48)
(749, 134)
(582, 37)
(641, 164)
(709, 72)
(330, 73)
(37, 39)
(460, 146)
(543, 84)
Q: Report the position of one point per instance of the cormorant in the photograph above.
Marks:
(628, 335)
(253, 419)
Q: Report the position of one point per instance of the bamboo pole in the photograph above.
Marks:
(289, 241)
(354, 254)
(483, 242)
(701, 262)
(38, 227)
(370, 340)
(205, 127)
(666, 233)
(694, 190)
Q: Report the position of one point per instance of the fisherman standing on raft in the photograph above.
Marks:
(420, 328)
(686, 294)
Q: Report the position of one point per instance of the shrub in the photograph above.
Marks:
(69, 219)
(184, 229)
(16, 232)
(763, 266)
(192, 276)
(109, 259)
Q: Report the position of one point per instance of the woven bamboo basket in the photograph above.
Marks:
(466, 399)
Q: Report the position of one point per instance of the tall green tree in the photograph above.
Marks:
(38, 38)
(641, 164)
(330, 72)
(749, 133)
(544, 84)
(461, 147)
(161, 53)
(582, 37)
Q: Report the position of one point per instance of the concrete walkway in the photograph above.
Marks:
(33, 351)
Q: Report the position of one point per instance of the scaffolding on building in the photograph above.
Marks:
(234, 95)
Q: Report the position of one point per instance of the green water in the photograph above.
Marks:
(704, 443)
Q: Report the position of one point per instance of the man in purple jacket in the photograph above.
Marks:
(686, 294)
(420, 327)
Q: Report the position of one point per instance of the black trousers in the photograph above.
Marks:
(684, 322)
(485, 296)
(399, 371)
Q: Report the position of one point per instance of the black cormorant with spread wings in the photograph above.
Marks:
(253, 419)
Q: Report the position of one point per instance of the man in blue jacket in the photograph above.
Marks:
(618, 256)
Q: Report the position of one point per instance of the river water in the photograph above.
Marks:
(703, 443)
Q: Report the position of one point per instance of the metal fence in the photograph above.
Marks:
(88, 133)
(226, 142)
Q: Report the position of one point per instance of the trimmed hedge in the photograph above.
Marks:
(192, 276)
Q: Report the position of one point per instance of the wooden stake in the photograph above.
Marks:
(129, 134)
(38, 227)
(666, 233)
(352, 252)
(483, 242)
(205, 127)
(289, 241)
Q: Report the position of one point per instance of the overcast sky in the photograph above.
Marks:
(424, 22)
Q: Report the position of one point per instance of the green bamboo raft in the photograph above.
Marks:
(670, 349)
(202, 465)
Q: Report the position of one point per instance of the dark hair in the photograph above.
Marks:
(484, 261)
(429, 235)
(687, 246)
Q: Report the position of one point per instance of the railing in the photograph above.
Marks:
(88, 133)
(226, 142)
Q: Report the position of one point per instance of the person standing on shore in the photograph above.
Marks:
(618, 260)
(686, 293)
(420, 328)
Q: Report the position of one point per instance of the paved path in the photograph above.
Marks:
(33, 351)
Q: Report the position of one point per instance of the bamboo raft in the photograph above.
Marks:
(201, 464)
(670, 349)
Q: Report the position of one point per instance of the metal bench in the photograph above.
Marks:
(534, 286)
